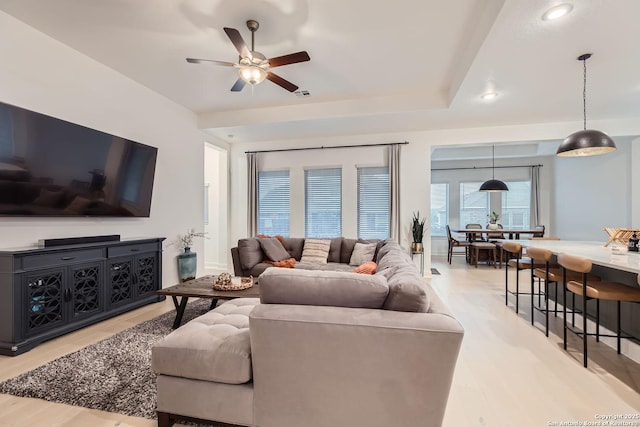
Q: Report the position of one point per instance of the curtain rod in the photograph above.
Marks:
(488, 167)
(322, 147)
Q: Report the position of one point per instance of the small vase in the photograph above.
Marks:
(416, 247)
(492, 226)
(187, 265)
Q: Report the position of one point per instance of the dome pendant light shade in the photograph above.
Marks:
(587, 142)
(493, 185)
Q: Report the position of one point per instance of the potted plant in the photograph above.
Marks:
(417, 229)
(493, 220)
(187, 260)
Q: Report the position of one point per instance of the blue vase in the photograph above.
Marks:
(187, 265)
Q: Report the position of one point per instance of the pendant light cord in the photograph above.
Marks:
(584, 93)
(493, 161)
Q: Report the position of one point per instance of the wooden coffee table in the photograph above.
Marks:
(202, 287)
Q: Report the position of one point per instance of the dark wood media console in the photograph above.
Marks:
(47, 292)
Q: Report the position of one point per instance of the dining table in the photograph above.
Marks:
(513, 233)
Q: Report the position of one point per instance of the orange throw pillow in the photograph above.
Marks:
(285, 263)
(368, 267)
(264, 236)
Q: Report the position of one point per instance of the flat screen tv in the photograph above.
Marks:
(50, 167)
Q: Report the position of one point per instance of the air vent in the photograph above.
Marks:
(302, 93)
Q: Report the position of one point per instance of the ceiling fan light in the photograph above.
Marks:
(586, 143)
(252, 74)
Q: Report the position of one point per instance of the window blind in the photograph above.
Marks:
(373, 203)
(323, 202)
(474, 205)
(273, 203)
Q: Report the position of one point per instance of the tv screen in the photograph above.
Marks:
(51, 167)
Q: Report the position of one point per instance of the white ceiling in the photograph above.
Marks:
(401, 65)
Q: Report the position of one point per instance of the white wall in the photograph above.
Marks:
(595, 192)
(43, 75)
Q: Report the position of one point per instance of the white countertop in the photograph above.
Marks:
(595, 251)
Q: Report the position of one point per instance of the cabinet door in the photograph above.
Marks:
(44, 295)
(120, 281)
(86, 283)
(146, 275)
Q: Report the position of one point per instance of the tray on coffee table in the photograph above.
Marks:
(202, 287)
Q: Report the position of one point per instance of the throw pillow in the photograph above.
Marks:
(368, 267)
(285, 263)
(362, 252)
(315, 251)
(273, 249)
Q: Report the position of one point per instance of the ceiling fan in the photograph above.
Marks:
(253, 67)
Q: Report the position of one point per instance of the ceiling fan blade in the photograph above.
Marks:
(239, 84)
(211, 61)
(281, 82)
(292, 58)
(238, 42)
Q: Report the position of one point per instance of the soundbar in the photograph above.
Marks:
(47, 243)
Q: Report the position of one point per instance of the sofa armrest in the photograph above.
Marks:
(319, 366)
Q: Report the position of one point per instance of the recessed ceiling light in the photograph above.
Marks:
(557, 12)
(489, 96)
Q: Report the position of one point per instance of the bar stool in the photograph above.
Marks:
(610, 291)
(514, 259)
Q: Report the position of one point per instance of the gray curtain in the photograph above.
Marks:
(394, 192)
(252, 194)
(535, 195)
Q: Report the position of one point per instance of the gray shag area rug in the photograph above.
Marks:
(112, 375)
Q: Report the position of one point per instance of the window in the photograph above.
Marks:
(273, 203)
(474, 205)
(516, 206)
(373, 203)
(323, 202)
(439, 209)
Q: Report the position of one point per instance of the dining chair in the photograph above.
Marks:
(594, 290)
(539, 231)
(455, 243)
(474, 236)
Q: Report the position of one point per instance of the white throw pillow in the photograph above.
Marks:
(315, 251)
(362, 252)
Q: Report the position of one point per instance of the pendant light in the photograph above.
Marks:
(587, 142)
(493, 185)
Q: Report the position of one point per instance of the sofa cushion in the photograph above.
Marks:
(362, 252)
(273, 249)
(316, 251)
(212, 347)
(294, 246)
(334, 249)
(330, 266)
(407, 290)
(250, 252)
(346, 250)
(330, 288)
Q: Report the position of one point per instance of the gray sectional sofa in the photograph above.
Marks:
(248, 256)
(318, 349)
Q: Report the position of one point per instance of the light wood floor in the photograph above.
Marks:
(508, 373)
